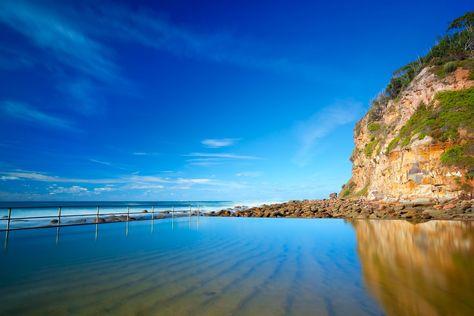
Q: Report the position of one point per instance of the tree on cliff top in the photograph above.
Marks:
(457, 44)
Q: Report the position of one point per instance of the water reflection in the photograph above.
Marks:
(240, 266)
(418, 269)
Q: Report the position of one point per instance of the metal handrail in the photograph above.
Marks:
(97, 215)
(105, 204)
(89, 214)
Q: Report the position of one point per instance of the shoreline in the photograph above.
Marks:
(459, 209)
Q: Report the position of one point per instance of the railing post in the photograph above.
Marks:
(9, 218)
(59, 216)
(128, 213)
(96, 235)
(152, 217)
(59, 225)
(172, 219)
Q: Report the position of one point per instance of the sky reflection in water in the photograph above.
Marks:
(220, 266)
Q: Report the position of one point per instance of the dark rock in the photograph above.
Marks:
(415, 211)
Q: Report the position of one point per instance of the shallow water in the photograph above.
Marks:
(243, 266)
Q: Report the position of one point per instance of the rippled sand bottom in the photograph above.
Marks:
(214, 266)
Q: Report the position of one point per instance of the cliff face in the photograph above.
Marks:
(418, 146)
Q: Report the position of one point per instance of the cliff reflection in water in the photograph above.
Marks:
(418, 269)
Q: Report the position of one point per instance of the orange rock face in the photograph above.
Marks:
(415, 171)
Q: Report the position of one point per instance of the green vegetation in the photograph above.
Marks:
(443, 70)
(455, 111)
(347, 189)
(454, 49)
(461, 156)
(394, 143)
(373, 127)
(369, 148)
(363, 191)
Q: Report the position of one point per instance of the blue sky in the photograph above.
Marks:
(195, 100)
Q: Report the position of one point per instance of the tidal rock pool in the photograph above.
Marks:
(240, 266)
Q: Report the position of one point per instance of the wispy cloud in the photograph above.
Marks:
(205, 162)
(42, 177)
(213, 159)
(78, 41)
(223, 156)
(50, 31)
(83, 95)
(81, 187)
(58, 36)
(73, 35)
(22, 111)
(149, 29)
(108, 164)
(142, 153)
(6, 178)
(145, 186)
(321, 124)
(107, 188)
(219, 142)
(100, 162)
(75, 189)
(132, 178)
(250, 174)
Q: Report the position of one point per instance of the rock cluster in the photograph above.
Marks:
(354, 209)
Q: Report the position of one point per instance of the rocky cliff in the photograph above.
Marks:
(419, 145)
(417, 140)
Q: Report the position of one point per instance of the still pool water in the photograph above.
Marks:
(241, 266)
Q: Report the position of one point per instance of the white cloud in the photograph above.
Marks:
(27, 113)
(75, 189)
(49, 31)
(249, 174)
(5, 178)
(41, 177)
(223, 156)
(106, 188)
(219, 142)
(148, 29)
(321, 124)
(131, 184)
(147, 179)
(142, 153)
(73, 35)
(100, 162)
(145, 186)
(106, 163)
